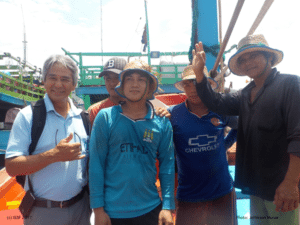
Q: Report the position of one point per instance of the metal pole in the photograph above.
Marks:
(260, 16)
(233, 20)
(148, 40)
(25, 42)
(220, 30)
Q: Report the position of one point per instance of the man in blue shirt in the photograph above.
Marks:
(125, 142)
(205, 189)
(58, 166)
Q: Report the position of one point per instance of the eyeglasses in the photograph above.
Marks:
(75, 135)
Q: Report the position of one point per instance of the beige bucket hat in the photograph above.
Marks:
(138, 66)
(253, 43)
(188, 74)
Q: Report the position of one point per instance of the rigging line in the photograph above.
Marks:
(134, 33)
(138, 25)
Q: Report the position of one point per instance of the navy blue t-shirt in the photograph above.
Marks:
(201, 155)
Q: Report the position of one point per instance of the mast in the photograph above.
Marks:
(147, 30)
(24, 41)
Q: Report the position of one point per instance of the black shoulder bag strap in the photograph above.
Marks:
(87, 126)
(86, 121)
(38, 123)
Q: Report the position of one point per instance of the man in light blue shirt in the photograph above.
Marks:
(58, 166)
(125, 142)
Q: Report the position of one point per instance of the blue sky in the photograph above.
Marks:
(75, 25)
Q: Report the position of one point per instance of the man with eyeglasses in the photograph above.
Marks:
(110, 72)
(268, 147)
(57, 169)
(205, 189)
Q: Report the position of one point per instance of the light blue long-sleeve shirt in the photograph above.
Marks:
(122, 170)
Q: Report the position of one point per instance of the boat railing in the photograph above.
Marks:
(20, 89)
(166, 74)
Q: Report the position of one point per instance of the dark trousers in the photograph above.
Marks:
(221, 211)
(150, 218)
(77, 214)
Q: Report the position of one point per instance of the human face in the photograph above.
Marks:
(135, 87)
(190, 91)
(59, 83)
(253, 64)
(111, 81)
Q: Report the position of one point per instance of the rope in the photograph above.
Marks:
(232, 47)
(134, 33)
(214, 50)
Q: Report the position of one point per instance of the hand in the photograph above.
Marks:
(101, 217)
(199, 60)
(165, 217)
(162, 112)
(286, 197)
(66, 151)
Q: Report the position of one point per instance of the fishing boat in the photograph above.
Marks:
(16, 92)
(18, 88)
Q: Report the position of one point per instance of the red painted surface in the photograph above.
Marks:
(171, 99)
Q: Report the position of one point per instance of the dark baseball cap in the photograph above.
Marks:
(115, 65)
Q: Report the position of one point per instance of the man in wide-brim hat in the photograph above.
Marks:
(203, 175)
(125, 142)
(268, 146)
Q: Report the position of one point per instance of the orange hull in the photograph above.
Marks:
(11, 194)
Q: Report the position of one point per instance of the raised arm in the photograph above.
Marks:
(226, 104)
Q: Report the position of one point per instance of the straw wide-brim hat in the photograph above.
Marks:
(138, 66)
(188, 74)
(253, 43)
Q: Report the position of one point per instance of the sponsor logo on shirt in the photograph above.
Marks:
(202, 143)
(202, 140)
(215, 121)
(131, 148)
(148, 136)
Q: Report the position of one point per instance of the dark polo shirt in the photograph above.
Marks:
(268, 130)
